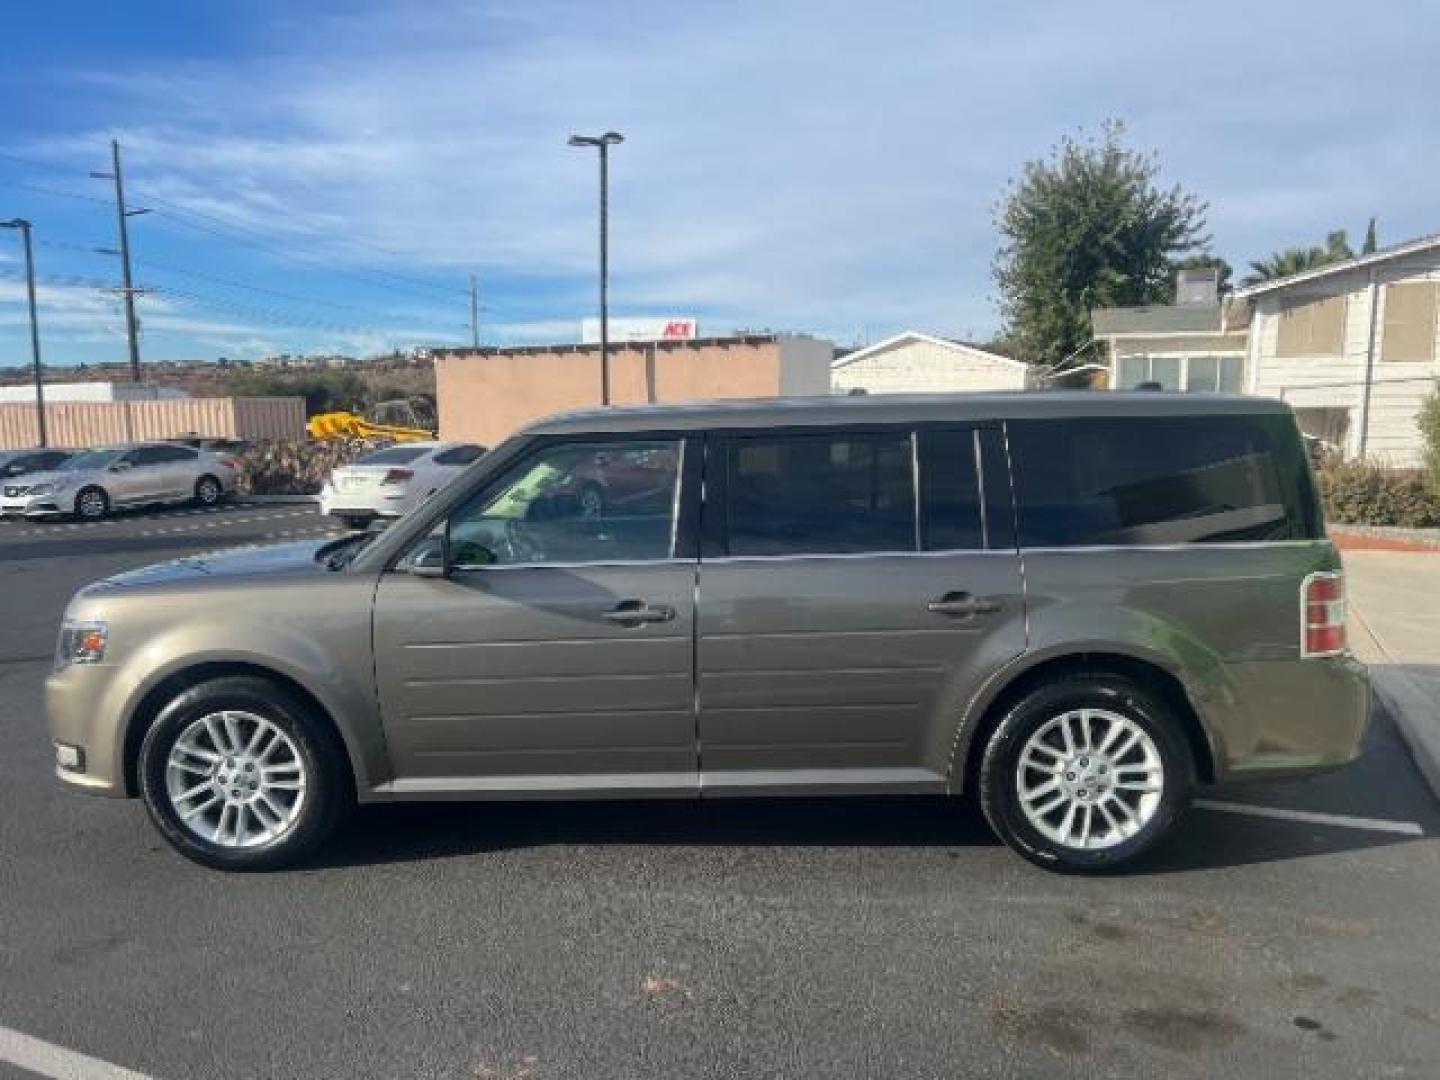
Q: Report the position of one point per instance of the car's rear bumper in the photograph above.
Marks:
(1291, 718)
(340, 502)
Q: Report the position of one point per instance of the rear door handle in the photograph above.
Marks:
(962, 603)
(635, 612)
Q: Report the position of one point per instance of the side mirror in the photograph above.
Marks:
(432, 561)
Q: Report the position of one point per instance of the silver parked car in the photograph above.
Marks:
(93, 482)
(1076, 606)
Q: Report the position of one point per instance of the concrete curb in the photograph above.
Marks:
(1415, 713)
(279, 500)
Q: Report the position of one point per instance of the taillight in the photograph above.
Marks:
(397, 476)
(228, 463)
(1322, 614)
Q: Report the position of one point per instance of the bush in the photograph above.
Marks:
(1358, 493)
(1429, 422)
(293, 468)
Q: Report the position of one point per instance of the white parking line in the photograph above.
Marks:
(1309, 817)
(47, 1059)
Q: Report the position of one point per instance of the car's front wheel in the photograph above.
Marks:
(1085, 774)
(91, 503)
(239, 774)
(208, 491)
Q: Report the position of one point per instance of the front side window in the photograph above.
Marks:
(1154, 480)
(589, 502)
(816, 494)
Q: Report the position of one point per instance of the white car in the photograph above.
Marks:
(93, 482)
(386, 483)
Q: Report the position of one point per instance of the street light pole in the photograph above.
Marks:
(603, 144)
(24, 227)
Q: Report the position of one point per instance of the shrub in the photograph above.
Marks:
(293, 468)
(1357, 493)
(1429, 422)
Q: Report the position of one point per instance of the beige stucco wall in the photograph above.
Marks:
(96, 423)
(486, 396)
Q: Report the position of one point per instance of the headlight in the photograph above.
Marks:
(81, 642)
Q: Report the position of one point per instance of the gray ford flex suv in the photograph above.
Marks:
(1075, 607)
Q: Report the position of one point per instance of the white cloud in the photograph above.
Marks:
(803, 165)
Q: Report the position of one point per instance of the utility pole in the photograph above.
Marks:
(24, 227)
(127, 290)
(603, 144)
(474, 313)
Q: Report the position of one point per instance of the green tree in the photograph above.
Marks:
(1371, 244)
(1429, 421)
(1205, 262)
(1086, 227)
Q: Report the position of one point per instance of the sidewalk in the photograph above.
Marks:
(1395, 628)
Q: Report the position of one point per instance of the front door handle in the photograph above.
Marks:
(962, 603)
(635, 612)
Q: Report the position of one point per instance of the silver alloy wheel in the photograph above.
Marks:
(235, 779)
(208, 491)
(91, 503)
(1089, 779)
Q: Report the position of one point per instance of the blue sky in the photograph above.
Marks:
(324, 175)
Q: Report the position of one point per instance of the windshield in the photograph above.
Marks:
(90, 459)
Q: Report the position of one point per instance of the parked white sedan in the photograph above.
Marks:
(388, 482)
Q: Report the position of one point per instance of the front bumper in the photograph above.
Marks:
(77, 715)
(33, 505)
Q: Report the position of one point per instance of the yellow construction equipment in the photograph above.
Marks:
(348, 425)
(403, 420)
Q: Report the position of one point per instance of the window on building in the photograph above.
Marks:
(1312, 328)
(828, 493)
(1161, 480)
(1197, 374)
(1410, 323)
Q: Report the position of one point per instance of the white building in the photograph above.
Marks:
(55, 393)
(913, 362)
(1354, 347)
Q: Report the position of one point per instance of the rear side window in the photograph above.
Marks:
(1161, 480)
(954, 515)
(393, 455)
(817, 494)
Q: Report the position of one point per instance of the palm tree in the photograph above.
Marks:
(1298, 260)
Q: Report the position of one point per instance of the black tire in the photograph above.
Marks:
(91, 503)
(328, 790)
(999, 770)
(209, 491)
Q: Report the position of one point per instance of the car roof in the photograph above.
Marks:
(901, 408)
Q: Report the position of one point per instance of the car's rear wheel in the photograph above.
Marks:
(1086, 774)
(91, 503)
(208, 491)
(239, 774)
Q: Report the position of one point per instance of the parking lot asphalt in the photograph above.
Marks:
(770, 938)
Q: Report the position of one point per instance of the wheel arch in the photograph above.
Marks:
(148, 708)
(1148, 672)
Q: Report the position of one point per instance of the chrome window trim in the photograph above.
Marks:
(919, 538)
(1196, 545)
(675, 499)
(491, 568)
(852, 555)
(980, 493)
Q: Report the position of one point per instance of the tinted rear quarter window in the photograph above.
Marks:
(1161, 480)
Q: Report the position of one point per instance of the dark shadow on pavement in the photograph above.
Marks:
(419, 831)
